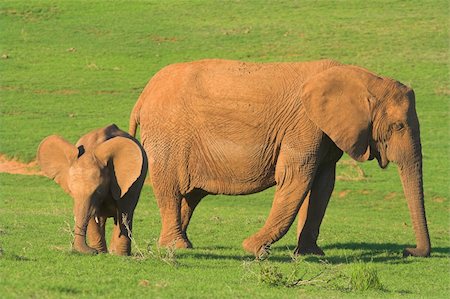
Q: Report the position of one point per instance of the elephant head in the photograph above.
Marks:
(369, 117)
(107, 168)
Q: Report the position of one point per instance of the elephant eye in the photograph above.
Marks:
(397, 126)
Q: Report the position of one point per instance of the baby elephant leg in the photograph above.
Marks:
(122, 234)
(96, 234)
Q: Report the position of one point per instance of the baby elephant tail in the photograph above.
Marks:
(135, 119)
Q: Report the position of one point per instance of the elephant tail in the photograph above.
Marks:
(135, 119)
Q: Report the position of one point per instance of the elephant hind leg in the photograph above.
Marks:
(188, 205)
(171, 233)
(166, 188)
(96, 234)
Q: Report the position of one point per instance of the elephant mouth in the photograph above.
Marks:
(383, 163)
(381, 157)
(378, 152)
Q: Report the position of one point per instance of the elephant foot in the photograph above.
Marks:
(85, 250)
(121, 247)
(185, 237)
(99, 248)
(418, 252)
(121, 253)
(79, 245)
(175, 243)
(309, 250)
(254, 246)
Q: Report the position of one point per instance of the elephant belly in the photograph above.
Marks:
(222, 166)
(233, 168)
(235, 187)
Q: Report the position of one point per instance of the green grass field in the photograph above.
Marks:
(67, 67)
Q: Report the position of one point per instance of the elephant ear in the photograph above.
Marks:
(92, 139)
(126, 159)
(55, 155)
(337, 101)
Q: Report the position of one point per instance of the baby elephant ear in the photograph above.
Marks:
(337, 101)
(55, 155)
(127, 162)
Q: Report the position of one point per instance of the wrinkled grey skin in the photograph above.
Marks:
(230, 127)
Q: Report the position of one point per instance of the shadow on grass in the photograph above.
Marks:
(17, 258)
(205, 253)
(219, 247)
(384, 247)
(65, 290)
(365, 252)
(372, 252)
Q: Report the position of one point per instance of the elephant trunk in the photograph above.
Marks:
(412, 181)
(83, 213)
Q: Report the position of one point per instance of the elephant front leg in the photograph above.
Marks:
(313, 210)
(96, 234)
(122, 234)
(286, 204)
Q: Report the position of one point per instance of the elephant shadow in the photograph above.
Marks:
(372, 252)
(360, 251)
(213, 253)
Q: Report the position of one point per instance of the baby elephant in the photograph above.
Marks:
(104, 173)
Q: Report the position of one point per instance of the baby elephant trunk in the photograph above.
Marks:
(83, 213)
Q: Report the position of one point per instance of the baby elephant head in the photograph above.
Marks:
(91, 175)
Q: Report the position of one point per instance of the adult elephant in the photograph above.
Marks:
(230, 127)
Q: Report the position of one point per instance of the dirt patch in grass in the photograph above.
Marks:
(32, 168)
(349, 170)
(442, 91)
(343, 193)
(17, 167)
(391, 196)
(59, 92)
(438, 199)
